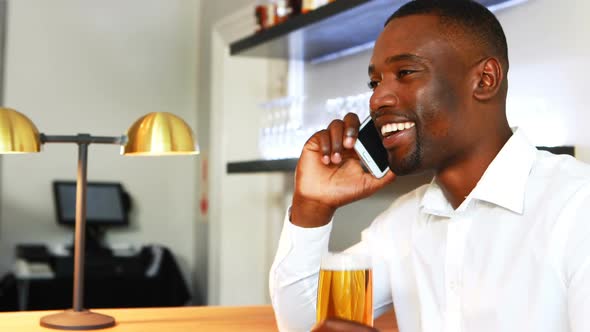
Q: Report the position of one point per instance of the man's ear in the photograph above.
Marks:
(488, 78)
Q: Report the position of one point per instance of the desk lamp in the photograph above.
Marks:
(153, 134)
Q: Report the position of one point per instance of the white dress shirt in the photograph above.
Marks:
(515, 256)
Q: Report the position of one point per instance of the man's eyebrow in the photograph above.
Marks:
(401, 57)
(406, 57)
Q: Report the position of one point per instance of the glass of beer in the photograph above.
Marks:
(345, 288)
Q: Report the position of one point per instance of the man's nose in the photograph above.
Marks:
(383, 96)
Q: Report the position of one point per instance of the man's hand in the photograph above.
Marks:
(329, 174)
(340, 325)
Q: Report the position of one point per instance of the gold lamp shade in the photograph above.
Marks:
(18, 134)
(159, 133)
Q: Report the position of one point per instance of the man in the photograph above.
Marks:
(498, 241)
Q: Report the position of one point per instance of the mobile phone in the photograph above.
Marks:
(370, 149)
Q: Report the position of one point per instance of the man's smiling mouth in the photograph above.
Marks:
(392, 128)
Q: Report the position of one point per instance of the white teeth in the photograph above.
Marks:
(393, 127)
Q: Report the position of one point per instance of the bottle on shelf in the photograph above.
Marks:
(283, 11)
(266, 14)
(260, 13)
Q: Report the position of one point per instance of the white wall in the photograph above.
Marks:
(243, 207)
(206, 277)
(548, 43)
(94, 67)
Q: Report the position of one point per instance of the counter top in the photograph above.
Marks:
(209, 318)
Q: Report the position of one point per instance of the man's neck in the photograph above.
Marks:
(460, 178)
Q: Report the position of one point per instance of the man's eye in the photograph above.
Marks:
(403, 73)
(373, 85)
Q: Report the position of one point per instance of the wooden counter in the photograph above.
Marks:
(219, 319)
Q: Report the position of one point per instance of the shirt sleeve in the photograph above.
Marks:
(293, 279)
(577, 263)
(579, 296)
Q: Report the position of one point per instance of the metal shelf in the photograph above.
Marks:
(261, 166)
(288, 165)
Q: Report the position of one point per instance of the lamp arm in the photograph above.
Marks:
(83, 139)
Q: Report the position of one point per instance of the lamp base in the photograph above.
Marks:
(77, 320)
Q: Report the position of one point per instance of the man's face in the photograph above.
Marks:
(421, 95)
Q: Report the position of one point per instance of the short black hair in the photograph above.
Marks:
(473, 19)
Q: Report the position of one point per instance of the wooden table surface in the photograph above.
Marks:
(219, 319)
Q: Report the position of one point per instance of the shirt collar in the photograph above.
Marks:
(503, 183)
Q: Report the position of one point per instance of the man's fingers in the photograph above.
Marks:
(336, 142)
(325, 148)
(351, 130)
(336, 128)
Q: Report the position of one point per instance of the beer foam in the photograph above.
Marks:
(343, 261)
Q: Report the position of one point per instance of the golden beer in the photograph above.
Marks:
(345, 293)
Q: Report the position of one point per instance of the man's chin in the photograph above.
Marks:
(405, 166)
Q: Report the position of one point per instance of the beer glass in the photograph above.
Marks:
(345, 288)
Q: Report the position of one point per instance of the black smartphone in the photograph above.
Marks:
(370, 149)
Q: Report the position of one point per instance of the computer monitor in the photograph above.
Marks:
(106, 203)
